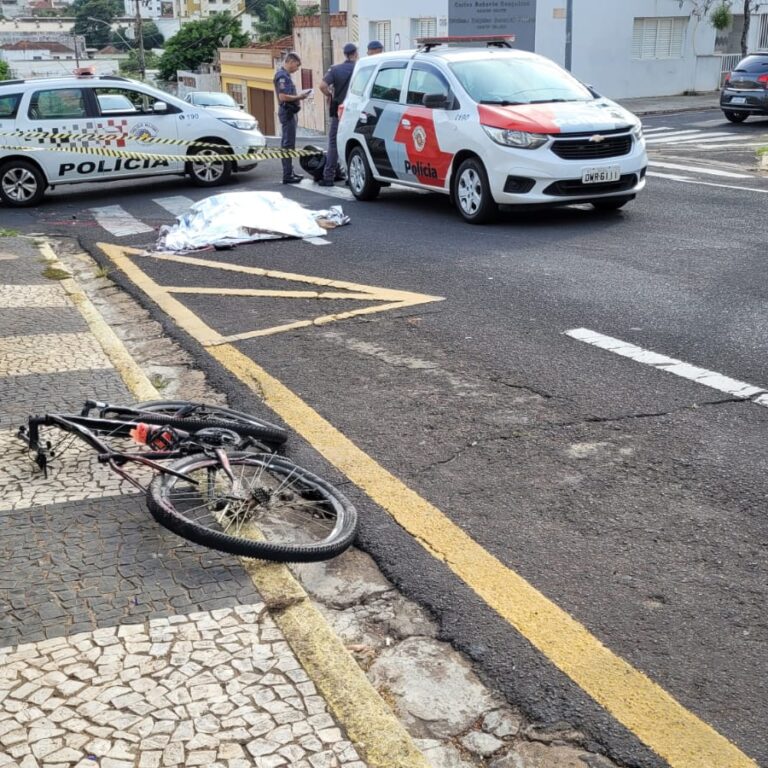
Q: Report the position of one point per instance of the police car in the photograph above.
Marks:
(72, 125)
(487, 126)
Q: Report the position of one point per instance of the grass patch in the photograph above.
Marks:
(54, 273)
(159, 382)
(101, 272)
(9, 232)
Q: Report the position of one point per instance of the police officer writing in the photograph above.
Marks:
(288, 111)
(334, 85)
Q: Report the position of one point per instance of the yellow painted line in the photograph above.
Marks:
(388, 298)
(646, 709)
(135, 379)
(641, 705)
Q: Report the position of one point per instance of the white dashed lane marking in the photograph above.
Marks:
(708, 378)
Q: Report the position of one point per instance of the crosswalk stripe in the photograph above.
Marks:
(116, 220)
(656, 129)
(697, 169)
(342, 193)
(711, 139)
(675, 133)
(176, 204)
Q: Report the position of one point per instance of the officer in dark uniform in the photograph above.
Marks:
(335, 85)
(288, 111)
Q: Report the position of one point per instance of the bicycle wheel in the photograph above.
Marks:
(238, 421)
(273, 510)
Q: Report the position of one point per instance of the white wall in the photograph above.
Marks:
(400, 13)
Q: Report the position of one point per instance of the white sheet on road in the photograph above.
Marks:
(243, 217)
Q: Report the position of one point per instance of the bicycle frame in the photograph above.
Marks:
(82, 426)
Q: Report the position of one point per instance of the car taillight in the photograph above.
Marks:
(763, 79)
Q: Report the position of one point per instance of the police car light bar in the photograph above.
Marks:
(502, 41)
(84, 72)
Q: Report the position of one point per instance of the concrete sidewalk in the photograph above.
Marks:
(659, 105)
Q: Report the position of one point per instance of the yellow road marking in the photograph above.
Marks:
(642, 706)
(388, 298)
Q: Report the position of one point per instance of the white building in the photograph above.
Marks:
(623, 48)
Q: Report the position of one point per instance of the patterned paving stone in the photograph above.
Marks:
(66, 392)
(31, 296)
(210, 688)
(27, 268)
(49, 353)
(30, 322)
(74, 567)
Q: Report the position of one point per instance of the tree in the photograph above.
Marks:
(719, 13)
(132, 66)
(5, 70)
(152, 36)
(96, 33)
(750, 7)
(197, 42)
(278, 20)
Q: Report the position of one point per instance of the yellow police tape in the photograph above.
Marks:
(110, 138)
(261, 154)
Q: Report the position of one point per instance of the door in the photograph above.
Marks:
(380, 118)
(261, 104)
(426, 132)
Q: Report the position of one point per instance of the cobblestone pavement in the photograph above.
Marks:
(122, 645)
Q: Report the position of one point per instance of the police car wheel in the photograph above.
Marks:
(472, 193)
(210, 173)
(361, 181)
(21, 183)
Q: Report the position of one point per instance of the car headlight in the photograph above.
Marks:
(519, 139)
(243, 125)
(637, 132)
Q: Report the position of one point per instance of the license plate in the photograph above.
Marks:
(600, 175)
(739, 100)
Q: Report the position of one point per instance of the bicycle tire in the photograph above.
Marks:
(244, 423)
(301, 517)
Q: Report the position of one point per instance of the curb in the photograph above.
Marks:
(369, 722)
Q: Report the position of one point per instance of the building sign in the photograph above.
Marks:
(494, 17)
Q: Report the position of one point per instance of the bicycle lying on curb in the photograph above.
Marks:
(216, 480)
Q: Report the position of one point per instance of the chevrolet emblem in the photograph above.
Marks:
(597, 138)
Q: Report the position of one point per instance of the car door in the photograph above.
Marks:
(130, 115)
(55, 113)
(427, 131)
(379, 120)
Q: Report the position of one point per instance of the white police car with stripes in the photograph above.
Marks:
(487, 126)
(81, 129)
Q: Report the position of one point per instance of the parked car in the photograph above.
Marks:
(487, 126)
(212, 99)
(745, 91)
(127, 113)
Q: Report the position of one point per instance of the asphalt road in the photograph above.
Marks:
(632, 498)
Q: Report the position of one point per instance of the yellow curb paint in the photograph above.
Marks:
(190, 322)
(642, 706)
(378, 735)
(646, 709)
(135, 379)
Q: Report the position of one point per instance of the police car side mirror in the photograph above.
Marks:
(159, 106)
(435, 101)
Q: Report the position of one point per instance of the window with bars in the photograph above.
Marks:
(381, 31)
(762, 35)
(237, 92)
(658, 38)
(426, 26)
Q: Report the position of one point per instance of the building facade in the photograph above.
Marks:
(623, 48)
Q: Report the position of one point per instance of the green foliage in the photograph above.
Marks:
(5, 70)
(256, 7)
(97, 33)
(197, 42)
(152, 36)
(721, 17)
(131, 67)
(309, 10)
(277, 20)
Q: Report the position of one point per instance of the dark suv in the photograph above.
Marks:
(745, 91)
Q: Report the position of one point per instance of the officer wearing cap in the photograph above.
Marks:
(288, 111)
(375, 47)
(334, 85)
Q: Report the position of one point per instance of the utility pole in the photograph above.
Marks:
(140, 41)
(569, 34)
(325, 34)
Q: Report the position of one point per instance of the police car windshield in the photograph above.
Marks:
(508, 81)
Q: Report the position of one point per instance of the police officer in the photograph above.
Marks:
(375, 47)
(288, 111)
(334, 85)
